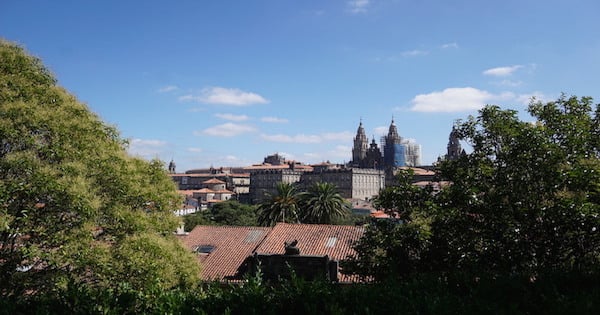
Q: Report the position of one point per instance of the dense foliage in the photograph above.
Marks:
(75, 209)
(559, 294)
(396, 247)
(525, 201)
(283, 206)
(320, 204)
(229, 212)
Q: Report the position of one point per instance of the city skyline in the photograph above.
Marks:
(227, 83)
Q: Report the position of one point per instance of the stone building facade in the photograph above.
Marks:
(264, 181)
(354, 183)
(236, 179)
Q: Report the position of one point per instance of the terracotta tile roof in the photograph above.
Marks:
(379, 215)
(334, 241)
(232, 245)
(313, 239)
(188, 192)
(304, 167)
(418, 171)
(267, 167)
(213, 181)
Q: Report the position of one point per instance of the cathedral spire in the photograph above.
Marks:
(172, 167)
(393, 131)
(454, 148)
(361, 144)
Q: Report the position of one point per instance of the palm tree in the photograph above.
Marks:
(280, 207)
(322, 203)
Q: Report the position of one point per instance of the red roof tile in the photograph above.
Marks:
(334, 241)
(313, 239)
(213, 181)
(232, 245)
(187, 192)
(379, 215)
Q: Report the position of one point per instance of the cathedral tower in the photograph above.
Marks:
(361, 145)
(454, 149)
(394, 151)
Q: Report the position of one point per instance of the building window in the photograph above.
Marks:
(204, 249)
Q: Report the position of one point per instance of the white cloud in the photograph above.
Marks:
(274, 120)
(225, 96)
(168, 88)
(525, 99)
(232, 117)
(226, 130)
(449, 45)
(381, 131)
(414, 53)
(358, 6)
(401, 56)
(502, 71)
(287, 156)
(454, 100)
(147, 148)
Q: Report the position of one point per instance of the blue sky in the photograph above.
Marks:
(225, 83)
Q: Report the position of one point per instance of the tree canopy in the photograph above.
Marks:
(524, 201)
(229, 212)
(74, 207)
(283, 206)
(321, 203)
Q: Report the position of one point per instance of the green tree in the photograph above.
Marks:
(395, 247)
(526, 199)
(280, 207)
(403, 200)
(322, 204)
(229, 212)
(74, 207)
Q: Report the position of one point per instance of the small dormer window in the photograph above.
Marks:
(204, 249)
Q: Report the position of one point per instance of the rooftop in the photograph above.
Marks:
(231, 246)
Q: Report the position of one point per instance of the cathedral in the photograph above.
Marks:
(454, 149)
(397, 151)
